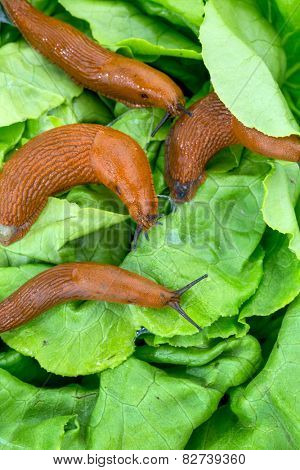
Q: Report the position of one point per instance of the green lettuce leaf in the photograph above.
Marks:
(179, 12)
(9, 137)
(282, 189)
(129, 28)
(139, 124)
(28, 370)
(266, 413)
(40, 418)
(59, 223)
(224, 327)
(290, 11)
(165, 406)
(281, 279)
(218, 233)
(29, 84)
(248, 77)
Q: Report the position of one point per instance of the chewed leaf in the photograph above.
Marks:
(247, 77)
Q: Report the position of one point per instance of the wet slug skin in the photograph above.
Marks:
(71, 155)
(87, 281)
(92, 66)
(195, 139)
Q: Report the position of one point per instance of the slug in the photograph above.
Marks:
(194, 140)
(92, 66)
(67, 156)
(86, 281)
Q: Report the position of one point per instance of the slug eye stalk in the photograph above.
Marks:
(176, 305)
(167, 116)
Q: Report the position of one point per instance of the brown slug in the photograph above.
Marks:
(71, 155)
(86, 281)
(194, 140)
(92, 66)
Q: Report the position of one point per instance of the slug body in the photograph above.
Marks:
(126, 80)
(85, 281)
(67, 156)
(194, 140)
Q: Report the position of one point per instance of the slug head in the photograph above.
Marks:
(184, 192)
(138, 85)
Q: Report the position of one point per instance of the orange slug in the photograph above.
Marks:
(194, 140)
(86, 281)
(127, 80)
(67, 156)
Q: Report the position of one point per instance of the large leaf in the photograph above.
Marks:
(37, 418)
(281, 279)
(130, 28)
(218, 233)
(266, 413)
(247, 77)
(72, 339)
(58, 224)
(29, 84)
(142, 407)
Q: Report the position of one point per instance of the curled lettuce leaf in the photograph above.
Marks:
(247, 77)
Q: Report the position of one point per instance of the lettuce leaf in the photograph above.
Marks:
(219, 234)
(59, 223)
(165, 405)
(131, 30)
(253, 66)
(265, 414)
(180, 12)
(9, 137)
(281, 279)
(282, 190)
(37, 418)
(29, 84)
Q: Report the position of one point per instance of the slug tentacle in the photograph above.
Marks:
(84, 281)
(195, 139)
(71, 155)
(89, 64)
